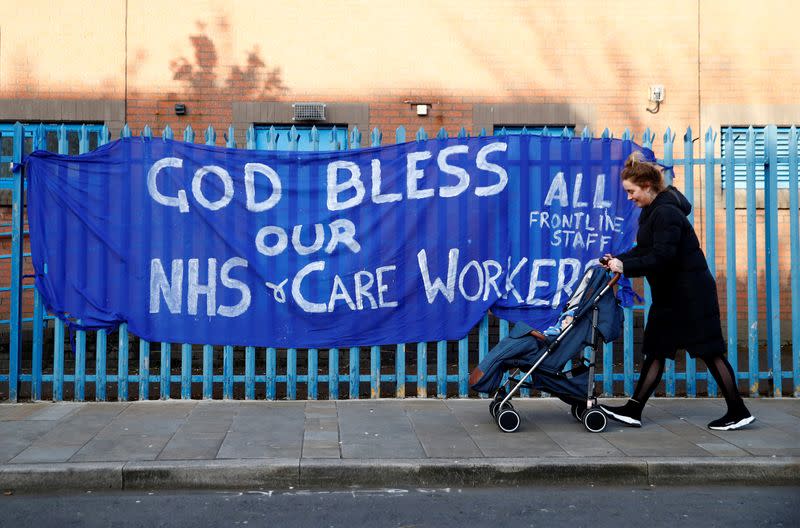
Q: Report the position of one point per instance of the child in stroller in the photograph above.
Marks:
(536, 360)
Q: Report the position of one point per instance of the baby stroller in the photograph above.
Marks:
(537, 360)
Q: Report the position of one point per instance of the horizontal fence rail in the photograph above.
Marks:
(45, 361)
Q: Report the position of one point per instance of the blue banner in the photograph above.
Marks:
(411, 242)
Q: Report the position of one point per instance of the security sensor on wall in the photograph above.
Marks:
(656, 96)
(422, 109)
(657, 93)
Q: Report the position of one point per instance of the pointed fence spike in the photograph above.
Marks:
(442, 134)
(566, 133)
(421, 134)
(125, 132)
(400, 134)
(211, 135)
(524, 131)
(606, 134)
(147, 132)
(167, 133)
(375, 137)
(294, 139)
(105, 135)
(250, 136)
(502, 132)
(355, 138)
(462, 133)
(669, 136)
(482, 133)
(647, 138)
(333, 139)
(688, 135)
(188, 134)
(586, 133)
(63, 146)
(83, 140)
(39, 137)
(230, 141)
(626, 135)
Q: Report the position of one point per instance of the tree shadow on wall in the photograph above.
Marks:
(254, 79)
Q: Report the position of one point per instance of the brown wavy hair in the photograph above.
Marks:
(643, 173)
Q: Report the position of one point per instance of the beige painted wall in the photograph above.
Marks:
(602, 53)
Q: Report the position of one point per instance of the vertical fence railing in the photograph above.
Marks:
(279, 372)
(794, 234)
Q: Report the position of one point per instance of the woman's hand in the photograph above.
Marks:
(615, 265)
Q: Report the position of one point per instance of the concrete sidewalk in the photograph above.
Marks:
(385, 443)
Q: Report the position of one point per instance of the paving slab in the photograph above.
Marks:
(700, 436)
(321, 430)
(265, 430)
(528, 441)
(376, 430)
(440, 432)
(38, 453)
(11, 411)
(191, 445)
(18, 435)
(121, 447)
(652, 440)
(56, 411)
(762, 440)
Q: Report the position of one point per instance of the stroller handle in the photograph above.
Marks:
(615, 279)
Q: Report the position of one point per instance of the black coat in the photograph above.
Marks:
(685, 309)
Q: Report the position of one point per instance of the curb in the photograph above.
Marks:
(470, 472)
(47, 477)
(279, 474)
(211, 474)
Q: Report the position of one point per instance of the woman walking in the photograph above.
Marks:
(685, 309)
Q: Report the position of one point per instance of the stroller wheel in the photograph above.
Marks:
(594, 420)
(577, 412)
(494, 407)
(508, 420)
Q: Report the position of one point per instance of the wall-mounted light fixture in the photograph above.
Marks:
(422, 107)
(180, 109)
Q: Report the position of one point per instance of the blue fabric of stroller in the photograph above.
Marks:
(519, 345)
(521, 350)
(573, 340)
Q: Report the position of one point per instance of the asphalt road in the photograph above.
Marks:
(442, 507)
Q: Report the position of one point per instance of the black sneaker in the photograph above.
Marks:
(625, 414)
(731, 422)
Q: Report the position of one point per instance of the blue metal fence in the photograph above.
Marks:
(62, 372)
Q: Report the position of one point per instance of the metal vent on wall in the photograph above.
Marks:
(308, 112)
